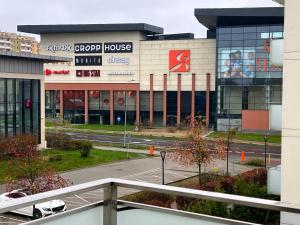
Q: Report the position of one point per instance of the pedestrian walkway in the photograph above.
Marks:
(129, 150)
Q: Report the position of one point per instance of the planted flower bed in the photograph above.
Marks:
(251, 184)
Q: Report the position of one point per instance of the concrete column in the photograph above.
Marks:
(178, 99)
(151, 102)
(86, 106)
(61, 105)
(111, 106)
(207, 98)
(137, 107)
(165, 101)
(193, 98)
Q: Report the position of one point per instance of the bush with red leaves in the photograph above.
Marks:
(26, 168)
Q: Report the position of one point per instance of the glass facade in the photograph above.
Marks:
(99, 107)
(121, 103)
(145, 108)
(246, 79)
(74, 106)
(20, 107)
(52, 104)
(158, 108)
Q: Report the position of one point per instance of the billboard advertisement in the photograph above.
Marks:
(237, 63)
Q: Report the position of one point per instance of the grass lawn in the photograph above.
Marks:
(72, 160)
(116, 145)
(103, 127)
(248, 137)
(91, 126)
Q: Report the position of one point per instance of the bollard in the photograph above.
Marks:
(151, 151)
(269, 159)
(243, 156)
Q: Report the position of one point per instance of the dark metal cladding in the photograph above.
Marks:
(83, 28)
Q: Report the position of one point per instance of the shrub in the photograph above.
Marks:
(208, 207)
(4, 148)
(76, 145)
(85, 152)
(55, 139)
(55, 158)
(151, 198)
(255, 162)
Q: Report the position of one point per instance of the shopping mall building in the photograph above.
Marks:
(233, 77)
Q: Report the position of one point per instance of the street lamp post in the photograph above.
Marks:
(266, 139)
(163, 156)
(125, 115)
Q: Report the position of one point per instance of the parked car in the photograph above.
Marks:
(37, 211)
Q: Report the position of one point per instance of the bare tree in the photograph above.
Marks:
(197, 150)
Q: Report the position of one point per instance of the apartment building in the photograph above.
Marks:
(18, 43)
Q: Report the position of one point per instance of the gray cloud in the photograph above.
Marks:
(173, 15)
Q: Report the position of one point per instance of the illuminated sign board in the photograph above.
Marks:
(118, 60)
(88, 60)
(88, 48)
(118, 47)
(179, 60)
(60, 48)
(120, 73)
(56, 72)
(87, 73)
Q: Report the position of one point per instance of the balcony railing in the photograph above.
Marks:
(111, 206)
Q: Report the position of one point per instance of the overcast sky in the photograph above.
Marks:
(175, 16)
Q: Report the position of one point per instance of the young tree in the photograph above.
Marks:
(196, 151)
(27, 169)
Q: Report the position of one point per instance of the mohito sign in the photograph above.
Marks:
(118, 47)
(88, 60)
(57, 72)
(87, 73)
(88, 48)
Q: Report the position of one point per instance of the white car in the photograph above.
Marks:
(38, 210)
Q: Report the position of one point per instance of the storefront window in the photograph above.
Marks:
(185, 109)
(99, 107)
(145, 107)
(119, 106)
(74, 106)
(171, 108)
(52, 104)
(158, 108)
(2, 107)
(20, 107)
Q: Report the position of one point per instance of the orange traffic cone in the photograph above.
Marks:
(151, 151)
(243, 156)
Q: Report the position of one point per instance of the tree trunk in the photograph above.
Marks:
(199, 175)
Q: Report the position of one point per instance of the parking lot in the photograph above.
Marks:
(75, 201)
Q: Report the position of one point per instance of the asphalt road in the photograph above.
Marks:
(252, 150)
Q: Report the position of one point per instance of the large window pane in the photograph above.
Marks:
(2, 107)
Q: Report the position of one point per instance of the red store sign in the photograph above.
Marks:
(57, 72)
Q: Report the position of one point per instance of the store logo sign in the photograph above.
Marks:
(57, 72)
(88, 48)
(118, 60)
(60, 48)
(118, 47)
(88, 60)
(119, 73)
(87, 73)
(179, 61)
